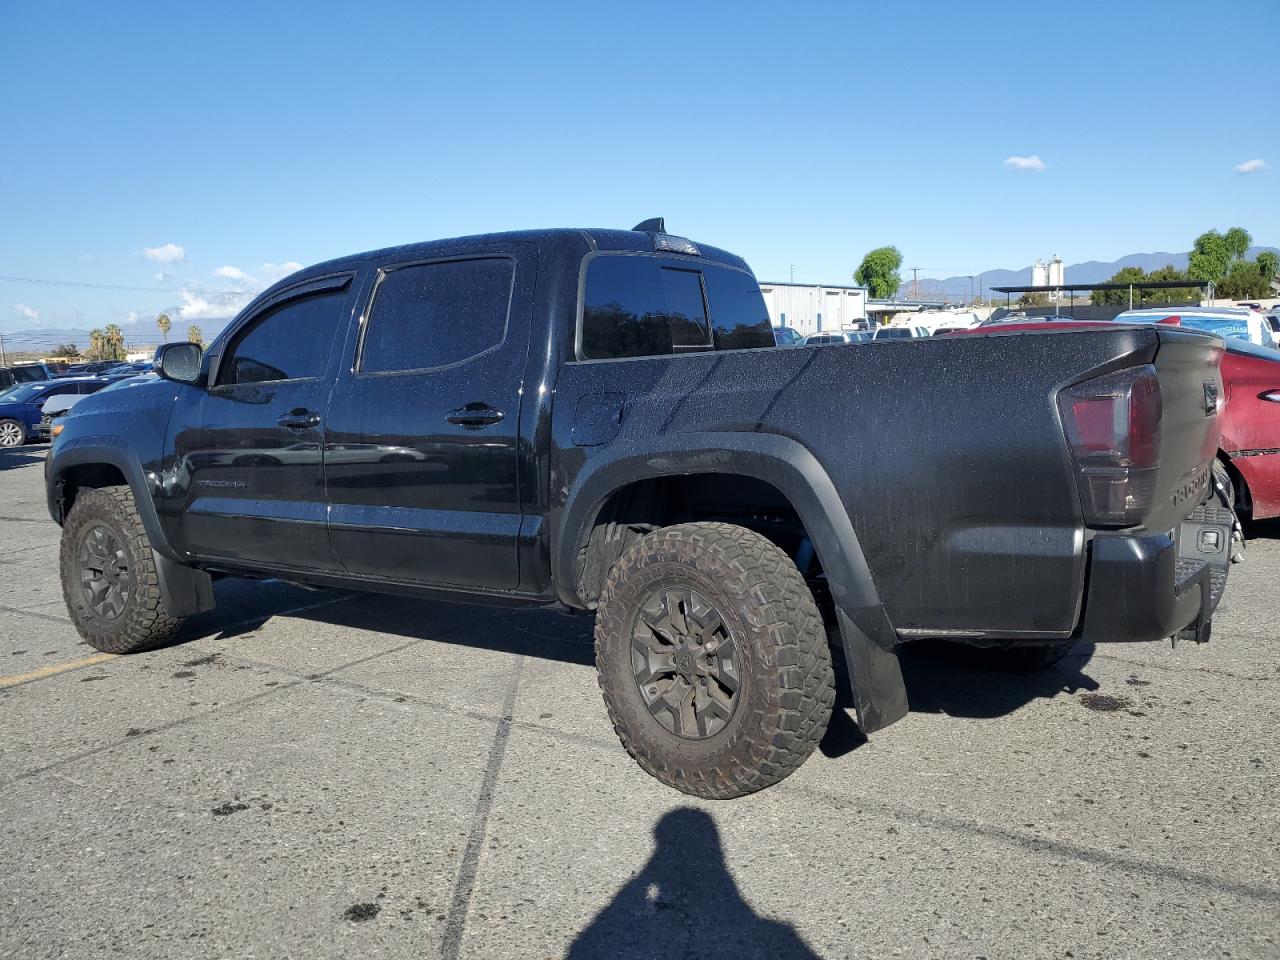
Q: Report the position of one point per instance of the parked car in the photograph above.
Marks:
(1273, 321)
(93, 367)
(787, 337)
(1251, 428)
(900, 333)
(26, 373)
(648, 455)
(832, 336)
(1229, 322)
(22, 404)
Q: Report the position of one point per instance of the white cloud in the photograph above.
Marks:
(132, 316)
(1032, 162)
(1251, 166)
(231, 273)
(278, 271)
(200, 305)
(28, 313)
(165, 253)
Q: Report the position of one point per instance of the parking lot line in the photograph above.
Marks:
(55, 668)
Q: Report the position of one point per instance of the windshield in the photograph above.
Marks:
(28, 374)
(22, 392)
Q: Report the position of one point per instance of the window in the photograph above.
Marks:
(650, 306)
(289, 341)
(437, 314)
(642, 307)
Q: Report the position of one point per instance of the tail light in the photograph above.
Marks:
(1113, 429)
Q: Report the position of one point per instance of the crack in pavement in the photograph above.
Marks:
(31, 613)
(456, 919)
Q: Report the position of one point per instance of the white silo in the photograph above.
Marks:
(1056, 272)
(1039, 275)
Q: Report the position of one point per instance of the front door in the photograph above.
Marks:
(422, 437)
(247, 473)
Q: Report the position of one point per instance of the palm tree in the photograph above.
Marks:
(115, 341)
(97, 344)
(194, 335)
(164, 323)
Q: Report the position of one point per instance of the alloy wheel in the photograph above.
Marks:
(105, 578)
(686, 663)
(10, 434)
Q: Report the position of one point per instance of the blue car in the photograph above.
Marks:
(21, 405)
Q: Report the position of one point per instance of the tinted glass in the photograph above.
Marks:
(639, 307)
(739, 318)
(288, 342)
(892, 333)
(28, 374)
(436, 314)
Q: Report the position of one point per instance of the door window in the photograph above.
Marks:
(289, 341)
(432, 315)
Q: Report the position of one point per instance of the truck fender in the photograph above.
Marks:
(868, 637)
(187, 591)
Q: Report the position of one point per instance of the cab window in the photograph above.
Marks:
(289, 341)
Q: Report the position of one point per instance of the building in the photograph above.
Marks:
(812, 307)
(1051, 274)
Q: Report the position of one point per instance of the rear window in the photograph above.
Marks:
(641, 306)
(893, 333)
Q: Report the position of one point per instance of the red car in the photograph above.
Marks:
(1251, 427)
(1250, 448)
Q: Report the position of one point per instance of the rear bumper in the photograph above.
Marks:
(1150, 587)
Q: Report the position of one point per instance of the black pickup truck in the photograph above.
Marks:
(600, 419)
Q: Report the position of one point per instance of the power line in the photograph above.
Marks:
(115, 286)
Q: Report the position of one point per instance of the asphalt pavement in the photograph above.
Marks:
(327, 774)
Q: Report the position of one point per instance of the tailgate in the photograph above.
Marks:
(1187, 365)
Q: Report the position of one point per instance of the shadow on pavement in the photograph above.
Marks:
(684, 903)
(13, 457)
(944, 678)
(1262, 530)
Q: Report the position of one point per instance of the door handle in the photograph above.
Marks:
(476, 415)
(299, 420)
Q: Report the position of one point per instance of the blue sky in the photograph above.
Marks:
(256, 136)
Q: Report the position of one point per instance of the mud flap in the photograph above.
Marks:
(186, 590)
(875, 678)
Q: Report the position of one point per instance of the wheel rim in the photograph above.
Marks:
(105, 578)
(10, 434)
(686, 663)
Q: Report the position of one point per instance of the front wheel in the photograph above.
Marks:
(12, 433)
(713, 660)
(109, 577)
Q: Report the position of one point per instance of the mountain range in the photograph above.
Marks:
(1090, 271)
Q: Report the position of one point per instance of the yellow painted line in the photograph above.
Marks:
(54, 669)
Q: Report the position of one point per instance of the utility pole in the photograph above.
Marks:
(915, 283)
(2, 363)
(793, 273)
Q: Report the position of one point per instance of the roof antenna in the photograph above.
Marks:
(652, 225)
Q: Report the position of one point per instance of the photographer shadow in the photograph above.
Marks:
(685, 903)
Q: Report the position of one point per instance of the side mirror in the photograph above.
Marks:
(179, 362)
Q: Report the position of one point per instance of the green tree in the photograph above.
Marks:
(195, 335)
(1036, 299)
(66, 350)
(164, 323)
(1119, 297)
(878, 272)
(1172, 294)
(97, 344)
(1244, 282)
(1210, 258)
(1269, 264)
(114, 338)
(1237, 241)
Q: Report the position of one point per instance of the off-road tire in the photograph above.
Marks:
(11, 438)
(144, 623)
(787, 687)
(1023, 657)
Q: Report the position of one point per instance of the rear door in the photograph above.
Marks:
(421, 437)
(248, 467)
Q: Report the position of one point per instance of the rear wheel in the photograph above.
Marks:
(12, 433)
(713, 659)
(109, 578)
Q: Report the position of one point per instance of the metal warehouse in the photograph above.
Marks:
(809, 307)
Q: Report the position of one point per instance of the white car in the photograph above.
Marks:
(1233, 322)
(834, 336)
(900, 333)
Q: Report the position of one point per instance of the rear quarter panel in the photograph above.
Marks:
(1251, 427)
(948, 455)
